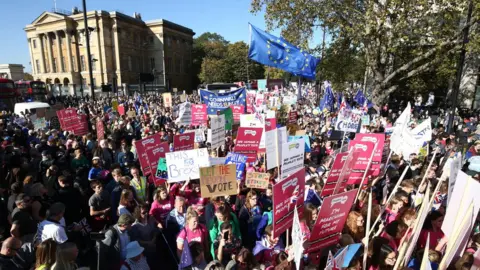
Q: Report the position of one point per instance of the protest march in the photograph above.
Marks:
(283, 178)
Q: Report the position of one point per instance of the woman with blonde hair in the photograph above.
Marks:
(355, 226)
(65, 257)
(45, 254)
(193, 231)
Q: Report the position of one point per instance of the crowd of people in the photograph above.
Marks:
(72, 202)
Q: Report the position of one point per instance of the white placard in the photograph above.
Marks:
(293, 154)
(184, 114)
(455, 167)
(217, 122)
(348, 120)
(183, 165)
(297, 239)
(199, 135)
(249, 120)
(271, 149)
(282, 138)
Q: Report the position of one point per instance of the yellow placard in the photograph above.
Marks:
(257, 180)
(218, 180)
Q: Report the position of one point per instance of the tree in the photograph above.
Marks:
(275, 73)
(213, 70)
(429, 31)
(210, 45)
(236, 60)
(27, 77)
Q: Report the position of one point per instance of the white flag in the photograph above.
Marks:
(423, 132)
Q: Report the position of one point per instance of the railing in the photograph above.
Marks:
(62, 11)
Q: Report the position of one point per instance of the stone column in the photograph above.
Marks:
(32, 59)
(60, 67)
(69, 50)
(43, 68)
(117, 53)
(50, 52)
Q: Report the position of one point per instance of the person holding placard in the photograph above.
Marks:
(249, 216)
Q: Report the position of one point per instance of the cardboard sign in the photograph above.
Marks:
(293, 155)
(217, 139)
(144, 145)
(379, 139)
(218, 180)
(346, 171)
(288, 195)
(248, 141)
(365, 150)
(131, 114)
(237, 111)
(183, 141)
(184, 114)
(331, 219)
(334, 174)
(186, 164)
(348, 120)
(292, 118)
(257, 180)
(100, 130)
(239, 160)
(199, 114)
(167, 100)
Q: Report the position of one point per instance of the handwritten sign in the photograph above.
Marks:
(183, 165)
(218, 131)
(239, 160)
(257, 180)
(218, 180)
(348, 120)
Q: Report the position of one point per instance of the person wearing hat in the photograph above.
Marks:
(114, 246)
(135, 258)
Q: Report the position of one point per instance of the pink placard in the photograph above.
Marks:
(199, 114)
(287, 195)
(154, 154)
(183, 141)
(379, 139)
(346, 171)
(334, 174)
(250, 101)
(270, 124)
(100, 130)
(247, 142)
(331, 219)
(142, 147)
(237, 111)
(365, 150)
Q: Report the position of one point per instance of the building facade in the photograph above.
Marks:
(121, 48)
(12, 71)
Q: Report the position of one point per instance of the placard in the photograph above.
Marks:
(348, 120)
(186, 164)
(100, 130)
(270, 124)
(115, 105)
(155, 153)
(199, 135)
(365, 150)
(161, 174)
(39, 123)
(257, 180)
(272, 149)
(334, 174)
(331, 219)
(237, 111)
(121, 109)
(293, 155)
(142, 146)
(379, 139)
(199, 114)
(167, 100)
(131, 114)
(287, 196)
(248, 141)
(218, 180)
(255, 120)
(217, 122)
(346, 171)
(292, 117)
(239, 160)
(184, 114)
(71, 121)
(182, 142)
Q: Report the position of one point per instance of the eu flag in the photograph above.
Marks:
(277, 52)
(328, 98)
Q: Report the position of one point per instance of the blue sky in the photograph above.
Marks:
(228, 18)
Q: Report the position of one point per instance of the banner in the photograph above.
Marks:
(398, 128)
(248, 141)
(240, 161)
(270, 124)
(365, 150)
(217, 139)
(100, 130)
(186, 165)
(331, 219)
(292, 118)
(183, 141)
(228, 113)
(257, 180)
(184, 114)
(287, 196)
(218, 180)
(348, 165)
(250, 120)
(334, 174)
(218, 102)
(293, 154)
(199, 114)
(348, 120)
(379, 139)
(167, 100)
(71, 121)
(237, 111)
(144, 145)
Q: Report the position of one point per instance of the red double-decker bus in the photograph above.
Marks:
(33, 90)
(8, 94)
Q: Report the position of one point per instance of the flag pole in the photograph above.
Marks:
(369, 217)
(366, 171)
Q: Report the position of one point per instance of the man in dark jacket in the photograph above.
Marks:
(72, 198)
(113, 247)
(8, 254)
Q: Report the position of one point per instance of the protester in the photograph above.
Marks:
(134, 258)
(8, 253)
(65, 257)
(114, 247)
(45, 254)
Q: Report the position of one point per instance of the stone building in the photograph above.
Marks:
(11, 71)
(121, 48)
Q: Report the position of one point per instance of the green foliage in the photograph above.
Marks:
(27, 77)
(275, 73)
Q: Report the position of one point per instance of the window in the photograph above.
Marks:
(129, 63)
(54, 64)
(74, 63)
(64, 63)
(94, 66)
(168, 41)
(34, 44)
(37, 66)
(82, 62)
(152, 63)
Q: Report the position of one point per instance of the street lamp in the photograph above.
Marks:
(87, 38)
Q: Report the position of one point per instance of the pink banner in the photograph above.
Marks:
(250, 101)
(100, 130)
(379, 139)
(142, 147)
(365, 150)
(154, 154)
(292, 117)
(199, 114)
(334, 174)
(237, 111)
(183, 141)
(270, 124)
(259, 98)
(346, 171)
(287, 195)
(71, 121)
(331, 219)
(247, 142)
(121, 109)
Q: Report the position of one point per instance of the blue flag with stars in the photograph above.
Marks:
(277, 52)
(186, 259)
(219, 102)
(328, 99)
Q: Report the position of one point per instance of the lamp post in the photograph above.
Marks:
(89, 60)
